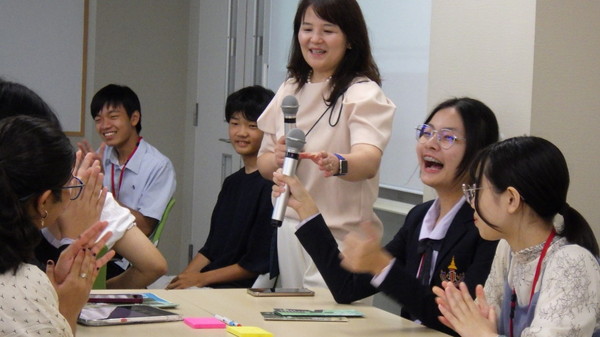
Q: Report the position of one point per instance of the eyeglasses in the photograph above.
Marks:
(470, 191)
(445, 137)
(75, 187)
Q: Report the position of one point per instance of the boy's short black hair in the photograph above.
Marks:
(115, 95)
(249, 101)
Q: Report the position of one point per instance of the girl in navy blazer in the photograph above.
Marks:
(438, 241)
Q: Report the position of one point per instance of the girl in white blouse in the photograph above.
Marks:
(544, 281)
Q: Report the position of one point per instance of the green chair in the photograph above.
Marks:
(155, 236)
(100, 282)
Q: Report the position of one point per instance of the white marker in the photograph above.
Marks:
(227, 320)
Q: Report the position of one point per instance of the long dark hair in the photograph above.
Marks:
(538, 170)
(35, 156)
(481, 127)
(358, 60)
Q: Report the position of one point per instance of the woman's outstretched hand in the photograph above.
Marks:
(328, 163)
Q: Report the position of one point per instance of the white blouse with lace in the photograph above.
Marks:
(569, 287)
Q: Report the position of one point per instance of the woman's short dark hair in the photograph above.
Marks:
(35, 157)
(358, 60)
(114, 95)
(481, 127)
(538, 171)
(249, 101)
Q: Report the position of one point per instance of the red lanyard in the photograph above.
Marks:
(513, 298)
(115, 192)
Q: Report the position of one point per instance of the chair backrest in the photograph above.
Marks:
(155, 236)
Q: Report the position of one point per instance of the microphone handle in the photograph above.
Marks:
(289, 124)
(289, 169)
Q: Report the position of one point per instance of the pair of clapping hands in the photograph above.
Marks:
(77, 267)
(462, 313)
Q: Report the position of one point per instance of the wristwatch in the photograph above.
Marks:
(343, 166)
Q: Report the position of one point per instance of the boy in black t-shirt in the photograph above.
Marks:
(238, 244)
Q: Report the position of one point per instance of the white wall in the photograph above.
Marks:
(566, 99)
(484, 49)
(42, 48)
(536, 65)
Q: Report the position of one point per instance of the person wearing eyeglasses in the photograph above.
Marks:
(36, 161)
(438, 241)
(545, 278)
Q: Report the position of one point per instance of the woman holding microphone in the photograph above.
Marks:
(346, 119)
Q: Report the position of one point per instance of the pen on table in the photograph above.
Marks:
(227, 320)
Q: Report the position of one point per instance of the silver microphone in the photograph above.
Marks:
(294, 141)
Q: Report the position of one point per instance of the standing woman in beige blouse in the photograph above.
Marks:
(347, 120)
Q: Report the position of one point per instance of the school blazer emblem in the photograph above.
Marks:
(451, 275)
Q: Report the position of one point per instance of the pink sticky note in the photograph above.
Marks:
(204, 323)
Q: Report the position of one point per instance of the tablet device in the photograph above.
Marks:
(271, 292)
(101, 315)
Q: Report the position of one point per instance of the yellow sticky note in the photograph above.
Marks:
(248, 331)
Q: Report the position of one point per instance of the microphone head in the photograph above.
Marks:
(295, 140)
(289, 106)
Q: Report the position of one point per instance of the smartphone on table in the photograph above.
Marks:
(116, 298)
(281, 292)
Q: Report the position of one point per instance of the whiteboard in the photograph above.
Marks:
(43, 47)
(399, 31)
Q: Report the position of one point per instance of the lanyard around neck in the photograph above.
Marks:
(513, 298)
(116, 191)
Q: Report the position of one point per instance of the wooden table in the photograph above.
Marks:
(237, 305)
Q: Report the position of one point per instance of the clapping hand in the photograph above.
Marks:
(76, 270)
(84, 211)
(464, 315)
(87, 242)
(362, 251)
(85, 147)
